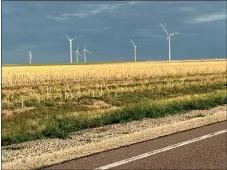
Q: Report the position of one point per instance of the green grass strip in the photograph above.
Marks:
(56, 126)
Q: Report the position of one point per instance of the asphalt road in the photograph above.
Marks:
(200, 148)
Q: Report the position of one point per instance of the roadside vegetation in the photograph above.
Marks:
(53, 101)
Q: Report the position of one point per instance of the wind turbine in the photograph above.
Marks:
(77, 54)
(134, 49)
(70, 47)
(30, 57)
(168, 38)
(85, 50)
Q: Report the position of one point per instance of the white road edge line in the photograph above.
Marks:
(112, 165)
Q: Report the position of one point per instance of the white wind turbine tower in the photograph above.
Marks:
(134, 49)
(70, 47)
(77, 54)
(168, 38)
(85, 50)
(30, 56)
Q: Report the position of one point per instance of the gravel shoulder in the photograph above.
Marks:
(34, 154)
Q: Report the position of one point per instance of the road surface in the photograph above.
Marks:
(200, 148)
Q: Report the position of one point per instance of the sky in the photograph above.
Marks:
(108, 26)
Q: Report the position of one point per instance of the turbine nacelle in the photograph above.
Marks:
(71, 39)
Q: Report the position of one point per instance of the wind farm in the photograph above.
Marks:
(85, 52)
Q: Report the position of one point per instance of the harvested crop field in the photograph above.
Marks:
(54, 101)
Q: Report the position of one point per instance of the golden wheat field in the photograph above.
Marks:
(37, 75)
(63, 82)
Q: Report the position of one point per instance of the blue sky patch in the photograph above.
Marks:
(107, 28)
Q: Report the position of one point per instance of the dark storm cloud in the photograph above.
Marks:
(106, 27)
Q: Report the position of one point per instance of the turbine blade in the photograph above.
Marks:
(133, 43)
(78, 48)
(79, 54)
(164, 29)
(89, 52)
(75, 37)
(67, 36)
(174, 33)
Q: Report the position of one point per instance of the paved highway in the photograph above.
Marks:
(200, 148)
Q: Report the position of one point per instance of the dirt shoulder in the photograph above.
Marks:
(45, 152)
